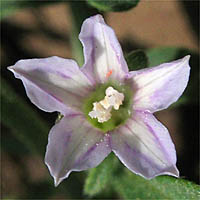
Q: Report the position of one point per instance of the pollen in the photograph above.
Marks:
(102, 109)
(100, 112)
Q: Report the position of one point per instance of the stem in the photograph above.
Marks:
(79, 12)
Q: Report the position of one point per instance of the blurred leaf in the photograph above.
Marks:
(98, 178)
(160, 55)
(22, 121)
(113, 5)
(136, 60)
(80, 10)
(11, 144)
(131, 186)
(9, 7)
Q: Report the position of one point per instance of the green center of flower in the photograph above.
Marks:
(102, 109)
(108, 106)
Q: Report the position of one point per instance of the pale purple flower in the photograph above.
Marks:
(141, 142)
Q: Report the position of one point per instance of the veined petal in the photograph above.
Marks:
(103, 55)
(159, 87)
(74, 145)
(52, 84)
(145, 147)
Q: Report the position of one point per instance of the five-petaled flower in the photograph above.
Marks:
(106, 108)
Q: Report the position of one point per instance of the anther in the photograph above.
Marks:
(102, 109)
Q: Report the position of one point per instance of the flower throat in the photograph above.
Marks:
(108, 106)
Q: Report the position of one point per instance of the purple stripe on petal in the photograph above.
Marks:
(72, 146)
(85, 156)
(158, 141)
(53, 77)
(102, 51)
(144, 166)
(55, 97)
(73, 115)
(102, 143)
(159, 87)
(134, 152)
(143, 144)
(62, 75)
(160, 133)
(109, 139)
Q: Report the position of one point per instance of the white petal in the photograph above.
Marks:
(145, 147)
(74, 145)
(102, 51)
(159, 87)
(52, 84)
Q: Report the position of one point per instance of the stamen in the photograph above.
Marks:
(102, 110)
(114, 98)
(100, 113)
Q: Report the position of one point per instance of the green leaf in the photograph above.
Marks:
(113, 5)
(12, 145)
(136, 60)
(22, 121)
(9, 7)
(98, 178)
(131, 186)
(160, 55)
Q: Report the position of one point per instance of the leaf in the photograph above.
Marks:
(131, 186)
(9, 7)
(110, 5)
(160, 55)
(11, 144)
(136, 60)
(98, 178)
(22, 121)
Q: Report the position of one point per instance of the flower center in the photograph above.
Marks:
(108, 106)
(102, 109)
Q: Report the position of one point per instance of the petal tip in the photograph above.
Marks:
(173, 171)
(97, 17)
(57, 181)
(186, 58)
(10, 68)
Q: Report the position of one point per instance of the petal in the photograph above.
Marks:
(159, 87)
(145, 147)
(52, 84)
(102, 51)
(74, 145)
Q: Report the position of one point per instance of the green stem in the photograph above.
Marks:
(79, 12)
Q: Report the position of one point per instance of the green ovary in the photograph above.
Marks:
(118, 117)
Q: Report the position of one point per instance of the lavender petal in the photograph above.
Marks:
(144, 146)
(74, 145)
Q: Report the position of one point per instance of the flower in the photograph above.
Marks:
(106, 108)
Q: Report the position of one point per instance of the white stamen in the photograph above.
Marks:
(100, 113)
(114, 97)
(102, 110)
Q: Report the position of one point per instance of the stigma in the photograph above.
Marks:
(102, 109)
